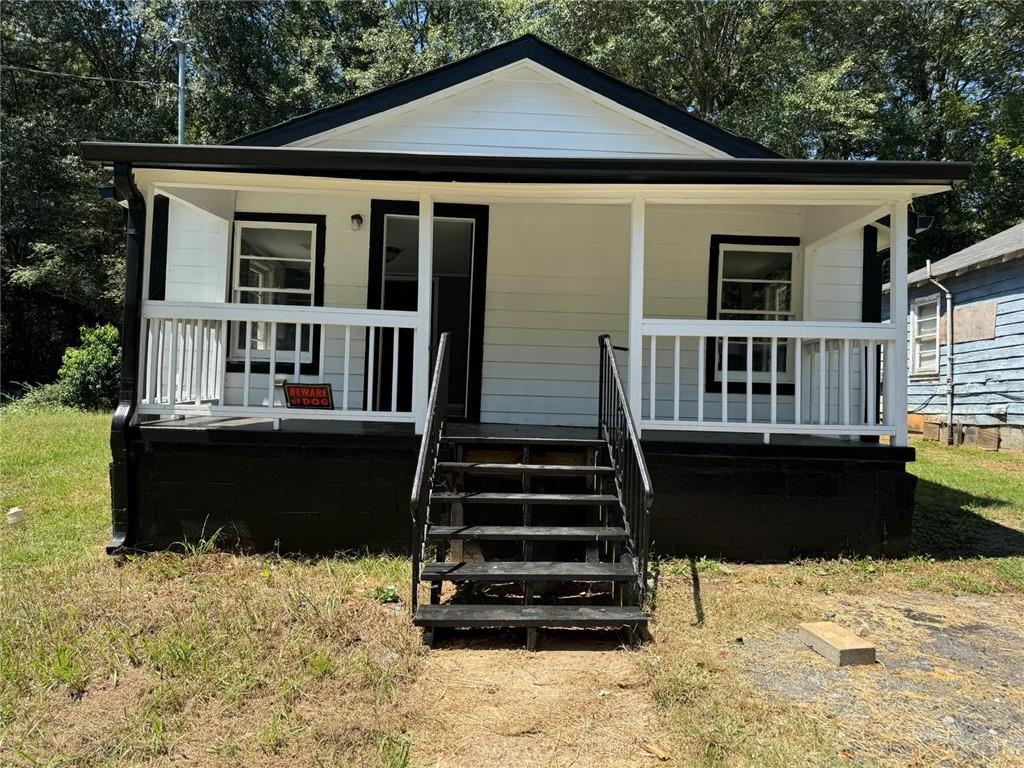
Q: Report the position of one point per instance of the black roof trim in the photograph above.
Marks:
(525, 47)
(537, 170)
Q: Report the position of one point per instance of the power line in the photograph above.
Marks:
(88, 77)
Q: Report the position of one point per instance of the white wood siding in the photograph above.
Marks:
(522, 110)
(833, 284)
(556, 279)
(345, 279)
(197, 254)
(676, 286)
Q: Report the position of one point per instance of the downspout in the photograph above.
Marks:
(123, 501)
(949, 349)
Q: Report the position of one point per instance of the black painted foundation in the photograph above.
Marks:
(317, 492)
(776, 509)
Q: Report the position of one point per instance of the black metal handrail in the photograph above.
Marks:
(633, 481)
(423, 480)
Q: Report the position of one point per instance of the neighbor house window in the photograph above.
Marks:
(755, 283)
(924, 337)
(274, 264)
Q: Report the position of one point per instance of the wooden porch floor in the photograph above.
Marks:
(654, 441)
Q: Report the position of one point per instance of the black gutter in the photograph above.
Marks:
(539, 170)
(123, 497)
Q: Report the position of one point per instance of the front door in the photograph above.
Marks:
(458, 289)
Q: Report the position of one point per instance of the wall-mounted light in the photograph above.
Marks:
(357, 221)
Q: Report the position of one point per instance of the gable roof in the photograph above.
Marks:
(1006, 245)
(522, 48)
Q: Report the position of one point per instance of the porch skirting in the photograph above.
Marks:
(772, 509)
(320, 490)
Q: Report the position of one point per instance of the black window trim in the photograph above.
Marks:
(711, 384)
(158, 248)
(311, 368)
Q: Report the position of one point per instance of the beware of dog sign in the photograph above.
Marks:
(308, 395)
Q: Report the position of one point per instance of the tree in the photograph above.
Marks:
(914, 79)
(61, 245)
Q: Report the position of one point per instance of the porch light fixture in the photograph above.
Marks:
(357, 221)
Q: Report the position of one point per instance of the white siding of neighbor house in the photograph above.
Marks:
(523, 110)
(557, 278)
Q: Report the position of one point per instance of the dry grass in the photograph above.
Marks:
(948, 621)
(742, 690)
(203, 660)
(215, 659)
(199, 659)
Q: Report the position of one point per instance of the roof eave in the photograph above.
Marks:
(473, 168)
(914, 281)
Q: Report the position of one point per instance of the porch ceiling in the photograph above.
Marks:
(387, 166)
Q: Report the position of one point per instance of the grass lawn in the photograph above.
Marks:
(210, 658)
(196, 659)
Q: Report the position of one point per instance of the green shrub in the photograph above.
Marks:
(89, 374)
(36, 397)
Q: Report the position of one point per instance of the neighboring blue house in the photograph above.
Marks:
(986, 284)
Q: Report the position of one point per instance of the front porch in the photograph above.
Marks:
(738, 299)
(705, 345)
(712, 442)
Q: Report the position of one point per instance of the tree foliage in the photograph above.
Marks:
(915, 79)
(89, 373)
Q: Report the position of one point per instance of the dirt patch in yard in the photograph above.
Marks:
(483, 702)
(948, 688)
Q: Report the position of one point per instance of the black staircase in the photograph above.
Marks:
(532, 530)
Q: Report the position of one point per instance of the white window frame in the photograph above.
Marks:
(916, 369)
(237, 351)
(795, 312)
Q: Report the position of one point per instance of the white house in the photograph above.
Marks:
(525, 204)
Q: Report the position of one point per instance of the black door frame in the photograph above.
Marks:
(379, 210)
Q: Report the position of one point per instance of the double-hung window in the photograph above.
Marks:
(274, 264)
(757, 282)
(924, 337)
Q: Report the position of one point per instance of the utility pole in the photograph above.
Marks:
(179, 46)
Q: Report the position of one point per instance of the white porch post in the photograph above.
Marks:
(424, 311)
(637, 213)
(896, 367)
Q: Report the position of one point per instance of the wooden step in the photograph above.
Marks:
(529, 616)
(525, 533)
(554, 470)
(560, 499)
(527, 571)
(583, 442)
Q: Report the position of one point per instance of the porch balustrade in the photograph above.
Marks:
(784, 377)
(230, 360)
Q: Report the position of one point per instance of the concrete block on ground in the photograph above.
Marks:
(837, 644)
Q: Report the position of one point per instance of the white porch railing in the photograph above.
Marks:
(227, 360)
(815, 378)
